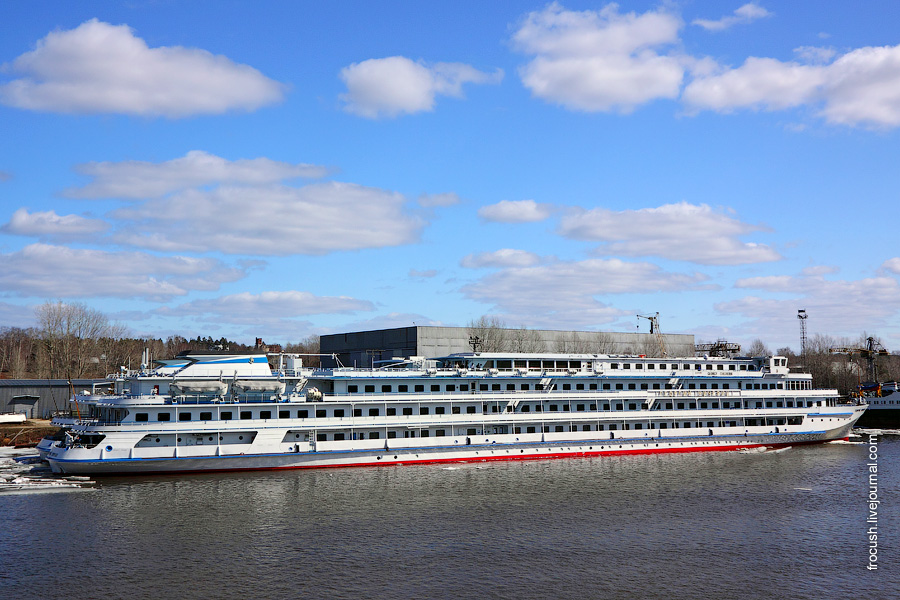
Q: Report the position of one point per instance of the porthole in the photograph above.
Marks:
(109, 448)
(157, 440)
(179, 440)
(240, 437)
(210, 438)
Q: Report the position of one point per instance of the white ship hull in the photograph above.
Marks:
(541, 448)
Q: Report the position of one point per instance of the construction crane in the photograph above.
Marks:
(654, 330)
(872, 350)
(719, 348)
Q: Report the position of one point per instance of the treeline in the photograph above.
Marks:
(73, 341)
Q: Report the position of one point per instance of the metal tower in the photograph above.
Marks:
(801, 314)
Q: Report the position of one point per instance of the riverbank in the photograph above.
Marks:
(25, 434)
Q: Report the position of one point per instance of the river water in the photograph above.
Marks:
(774, 524)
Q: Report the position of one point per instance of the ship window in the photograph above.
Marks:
(510, 387)
(613, 426)
(352, 389)
(638, 425)
(702, 386)
(504, 364)
(559, 428)
(455, 410)
(593, 386)
(553, 408)
(470, 431)
(470, 410)
(626, 366)
(703, 405)
(593, 407)
(651, 366)
(301, 414)
(692, 386)
(768, 405)
(385, 389)
(439, 410)
(606, 386)
(226, 415)
(619, 386)
(402, 388)
(338, 437)
(440, 433)
(246, 414)
(321, 437)
(525, 387)
(282, 414)
(618, 407)
(681, 405)
(184, 416)
(579, 407)
(357, 412)
(141, 417)
(790, 404)
(614, 366)
(451, 387)
(719, 368)
(639, 366)
(391, 412)
(370, 389)
(423, 433)
(668, 406)
(530, 430)
(265, 414)
(483, 387)
(495, 387)
(632, 407)
(423, 410)
(320, 414)
(407, 410)
(373, 412)
(374, 435)
(579, 386)
(644, 386)
(392, 434)
(567, 386)
(631, 386)
(546, 429)
(517, 430)
(463, 387)
(163, 416)
(338, 412)
(526, 408)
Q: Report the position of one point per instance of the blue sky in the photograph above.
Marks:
(281, 169)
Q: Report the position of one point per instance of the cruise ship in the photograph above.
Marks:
(220, 411)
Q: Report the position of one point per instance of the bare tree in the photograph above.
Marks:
(492, 333)
(70, 334)
(758, 348)
(16, 351)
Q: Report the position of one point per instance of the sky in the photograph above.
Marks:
(281, 169)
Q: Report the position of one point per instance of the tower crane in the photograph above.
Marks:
(872, 350)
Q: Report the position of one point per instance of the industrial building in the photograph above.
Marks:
(41, 398)
(364, 348)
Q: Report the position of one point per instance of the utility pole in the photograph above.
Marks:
(801, 315)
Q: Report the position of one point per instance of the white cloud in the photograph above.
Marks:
(835, 307)
(814, 54)
(48, 271)
(745, 14)
(563, 294)
(861, 87)
(246, 308)
(102, 68)
(50, 226)
(600, 60)
(819, 270)
(389, 87)
(426, 274)
(270, 220)
(505, 257)
(675, 231)
(892, 265)
(140, 179)
(515, 211)
(432, 200)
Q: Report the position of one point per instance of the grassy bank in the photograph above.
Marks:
(28, 433)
